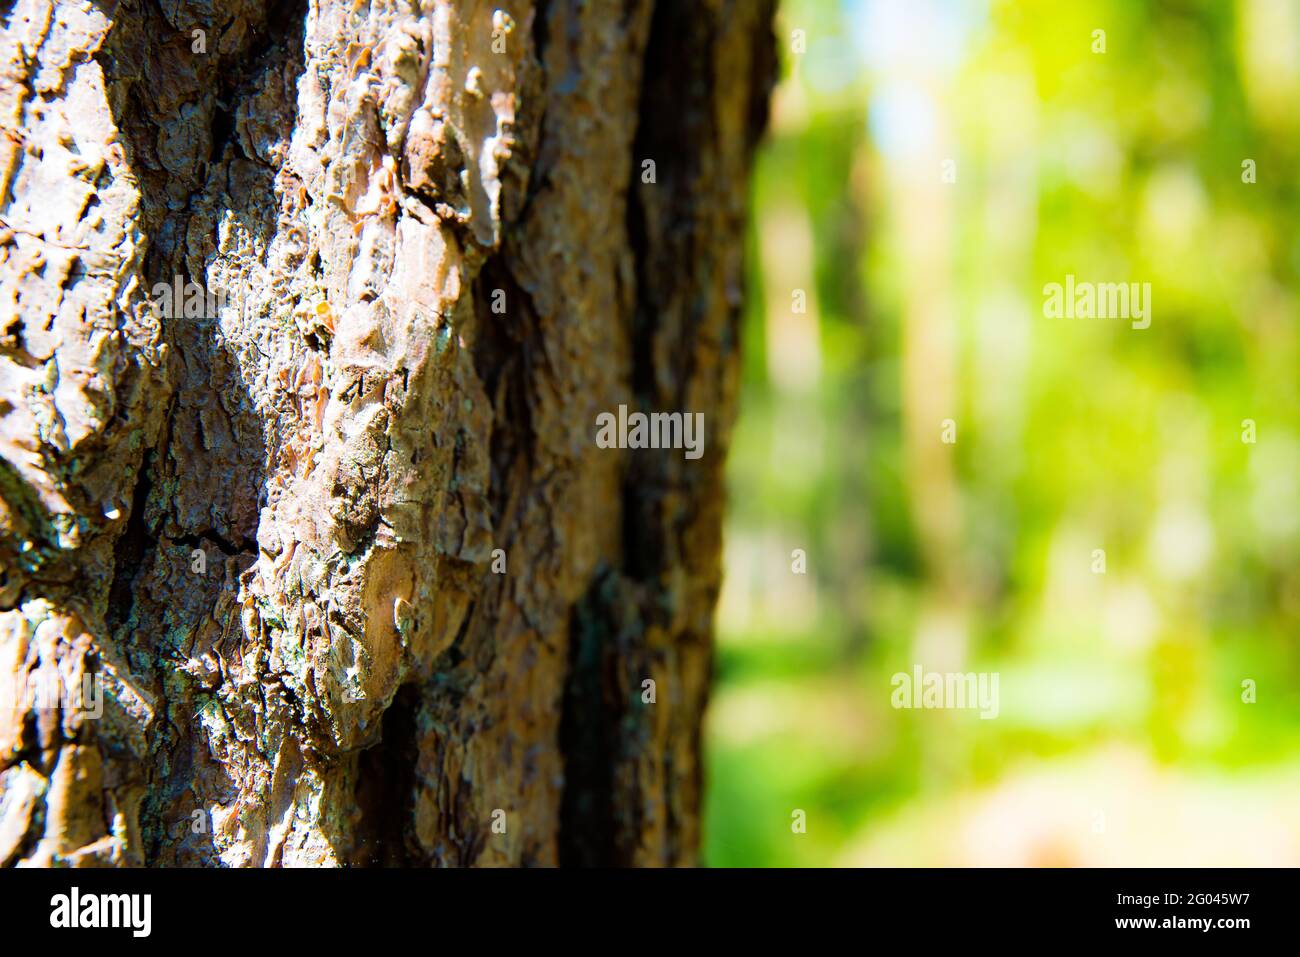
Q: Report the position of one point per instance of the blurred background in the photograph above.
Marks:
(930, 167)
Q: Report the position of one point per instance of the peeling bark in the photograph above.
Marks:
(269, 527)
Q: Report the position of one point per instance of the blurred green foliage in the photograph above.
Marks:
(1122, 736)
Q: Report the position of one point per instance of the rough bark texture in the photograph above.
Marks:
(269, 530)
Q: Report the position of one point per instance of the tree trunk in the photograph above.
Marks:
(330, 528)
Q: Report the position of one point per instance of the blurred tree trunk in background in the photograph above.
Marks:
(336, 540)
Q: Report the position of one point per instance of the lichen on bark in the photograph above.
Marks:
(270, 530)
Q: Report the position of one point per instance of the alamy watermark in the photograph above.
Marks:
(190, 300)
(74, 910)
(655, 430)
(946, 689)
(52, 691)
(1098, 300)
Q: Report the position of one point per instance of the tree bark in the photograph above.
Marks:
(338, 543)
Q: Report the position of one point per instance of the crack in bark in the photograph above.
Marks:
(386, 784)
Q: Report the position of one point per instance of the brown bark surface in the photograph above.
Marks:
(270, 530)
